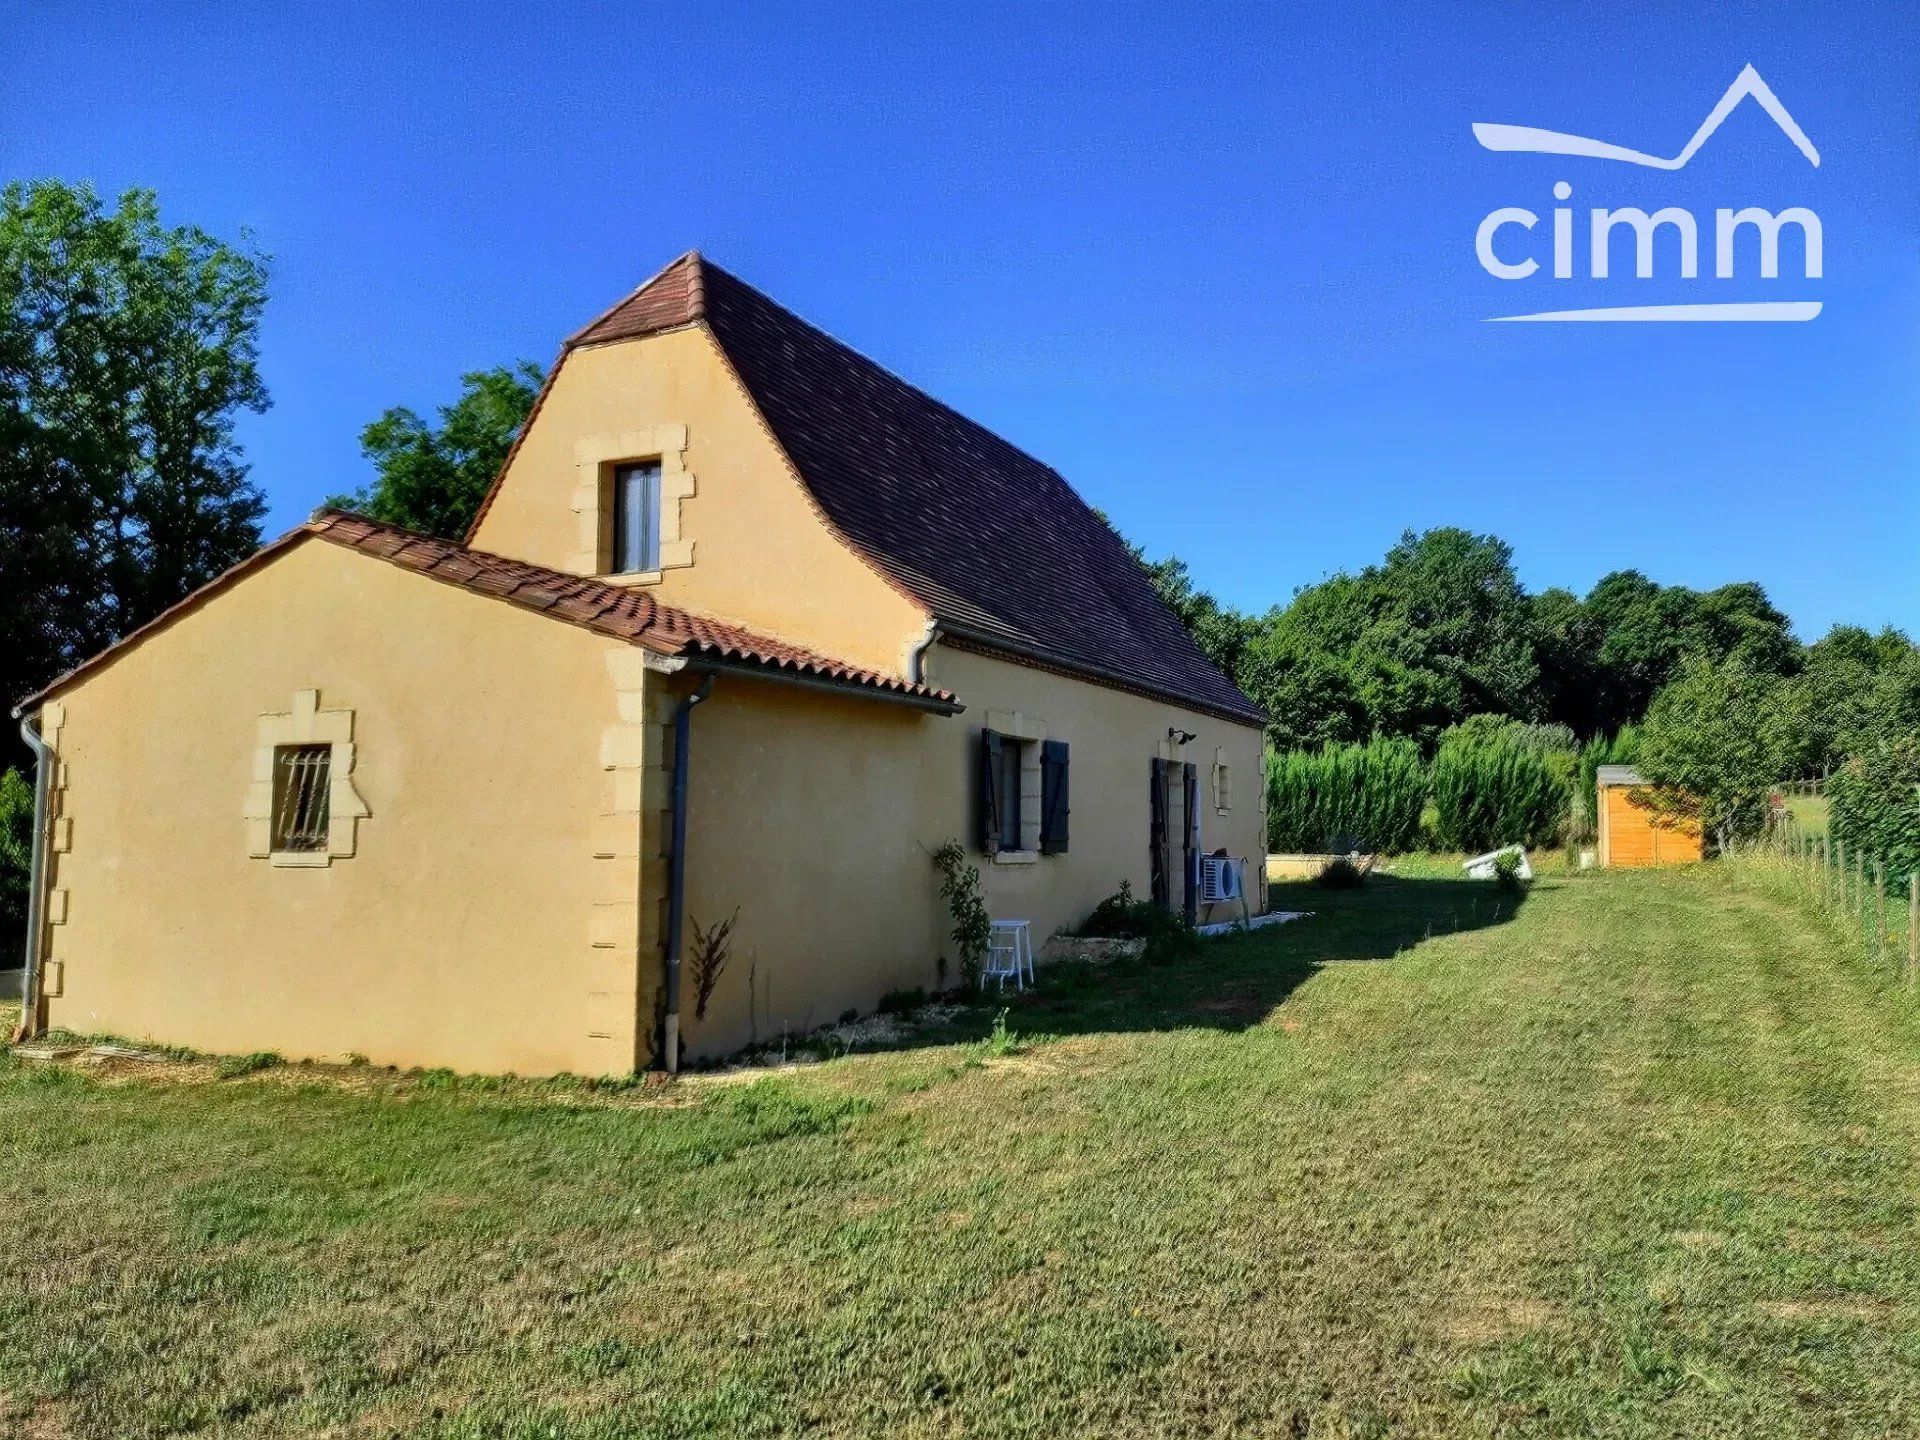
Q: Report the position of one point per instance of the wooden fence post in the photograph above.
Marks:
(1913, 928)
(1879, 910)
(1860, 898)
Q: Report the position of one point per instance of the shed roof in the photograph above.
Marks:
(1607, 775)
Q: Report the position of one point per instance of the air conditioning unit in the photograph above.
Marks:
(1219, 879)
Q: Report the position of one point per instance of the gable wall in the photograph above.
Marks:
(471, 927)
(761, 554)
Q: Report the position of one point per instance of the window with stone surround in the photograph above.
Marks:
(302, 808)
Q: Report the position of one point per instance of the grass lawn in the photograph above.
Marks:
(1810, 811)
(1639, 1155)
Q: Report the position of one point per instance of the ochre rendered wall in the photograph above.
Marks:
(762, 556)
(817, 817)
(461, 931)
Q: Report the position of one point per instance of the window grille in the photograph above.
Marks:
(302, 777)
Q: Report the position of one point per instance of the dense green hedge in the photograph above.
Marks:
(16, 843)
(1875, 807)
(1364, 796)
(1493, 791)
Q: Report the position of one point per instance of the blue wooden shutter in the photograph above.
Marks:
(1053, 797)
(987, 787)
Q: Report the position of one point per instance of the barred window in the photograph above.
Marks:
(302, 777)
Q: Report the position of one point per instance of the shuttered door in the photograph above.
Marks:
(1157, 832)
(1190, 838)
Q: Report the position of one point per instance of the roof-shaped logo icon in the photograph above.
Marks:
(1525, 138)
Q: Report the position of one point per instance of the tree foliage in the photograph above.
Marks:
(1876, 805)
(16, 852)
(1714, 743)
(432, 478)
(127, 351)
(1442, 629)
(1856, 691)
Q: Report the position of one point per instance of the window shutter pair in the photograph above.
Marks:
(995, 755)
(1053, 797)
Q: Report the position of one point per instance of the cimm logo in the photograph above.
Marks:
(1513, 256)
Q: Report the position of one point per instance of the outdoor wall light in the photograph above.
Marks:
(1179, 736)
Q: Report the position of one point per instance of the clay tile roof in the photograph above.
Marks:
(997, 545)
(618, 611)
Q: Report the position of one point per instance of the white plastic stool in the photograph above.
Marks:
(1016, 936)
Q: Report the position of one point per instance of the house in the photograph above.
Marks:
(1631, 832)
(745, 630)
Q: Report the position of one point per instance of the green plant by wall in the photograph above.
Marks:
(1346, 797)
(712, 948)
(1875, 807)
(972, 926)
(1489, 792)
(1169, 934)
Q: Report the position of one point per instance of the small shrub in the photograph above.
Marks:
(902, 1002)
(711, 949)
(972, 926)
(1169, 935)
(1001, 1040)
(1506, 873)
(230, 1067)
(1340, 873)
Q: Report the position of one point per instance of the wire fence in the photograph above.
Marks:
(1878, 913)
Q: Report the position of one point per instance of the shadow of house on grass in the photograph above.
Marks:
(1236, 982)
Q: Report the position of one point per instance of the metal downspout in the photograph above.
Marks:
(917, 657)
(36, 880)
(677, 878)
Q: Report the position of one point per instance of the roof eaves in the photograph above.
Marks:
(191, 601)
(964, 638)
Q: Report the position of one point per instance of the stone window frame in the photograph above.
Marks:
(1222, 783)
(305, 723)
(595, 458)
(1030, 732)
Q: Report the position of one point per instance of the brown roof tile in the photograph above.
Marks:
(617, 611)
(996, 544)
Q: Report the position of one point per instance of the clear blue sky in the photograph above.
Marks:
(1215, 264)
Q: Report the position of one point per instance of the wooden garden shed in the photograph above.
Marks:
(1632, 832)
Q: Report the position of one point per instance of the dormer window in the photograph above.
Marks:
(636, 518)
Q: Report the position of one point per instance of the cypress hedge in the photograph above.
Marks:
(1363, 797)
(1490, 791)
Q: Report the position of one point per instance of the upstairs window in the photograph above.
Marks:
(302, 784)
(636, 518)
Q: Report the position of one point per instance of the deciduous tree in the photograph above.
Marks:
(432, 478)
